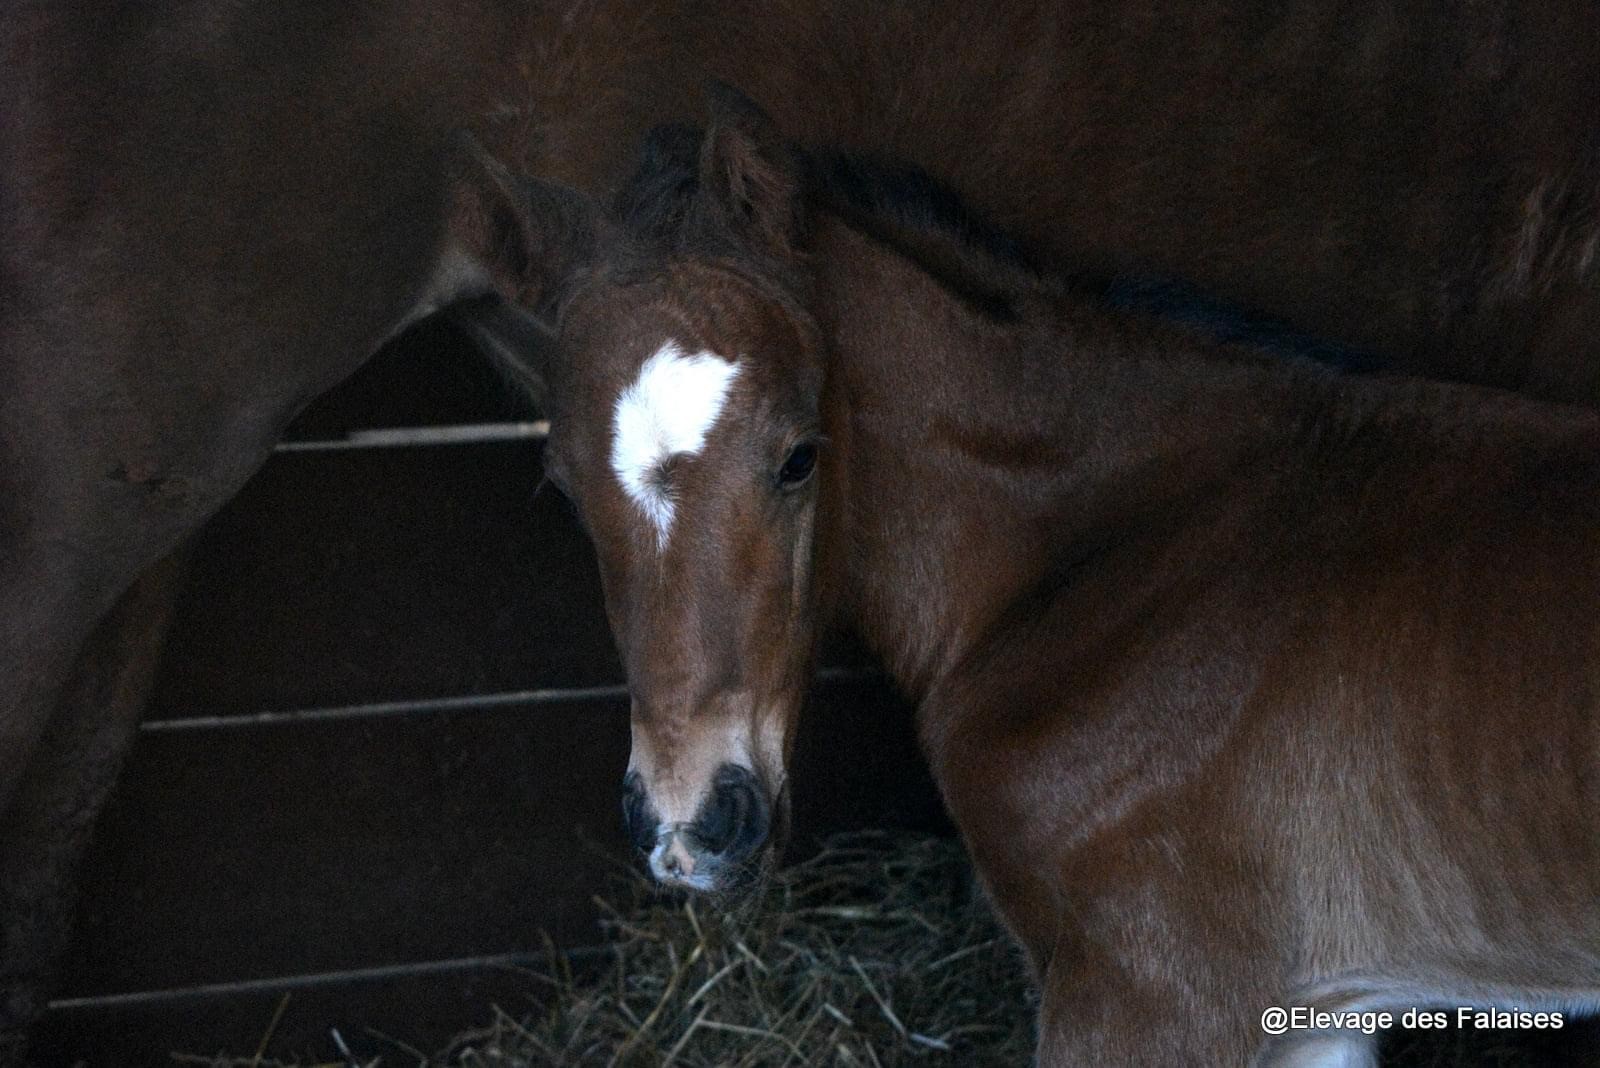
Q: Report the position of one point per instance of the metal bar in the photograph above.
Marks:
(430, 705)
(376, 709)
(266, 986)
(404, 437)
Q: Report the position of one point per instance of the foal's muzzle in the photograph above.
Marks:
(707, 853)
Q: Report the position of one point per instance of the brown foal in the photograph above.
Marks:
(210, 213)
(1248, 684)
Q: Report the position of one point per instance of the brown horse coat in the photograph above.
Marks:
(1418, 179)
(210, 214)
(1248, 684)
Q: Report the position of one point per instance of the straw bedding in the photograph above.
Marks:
(876, 951)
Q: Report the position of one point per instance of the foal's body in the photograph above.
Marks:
(1247, 684)
(1239, 678)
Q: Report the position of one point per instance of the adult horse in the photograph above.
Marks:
(1418, 179)
(1248, 684)
(208, 215)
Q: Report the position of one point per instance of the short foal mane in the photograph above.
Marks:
(904, 208)
(897, 204)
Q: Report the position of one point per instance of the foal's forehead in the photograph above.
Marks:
(654, 366)
(663, 415)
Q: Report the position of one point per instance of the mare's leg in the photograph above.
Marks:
(110, 455)
(177, 280)
(101, 474)
(120, 434)
(45, 830)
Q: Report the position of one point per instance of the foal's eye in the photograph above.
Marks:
(802, 460)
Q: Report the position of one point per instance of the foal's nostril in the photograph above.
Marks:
(734, 822)
(637, 819)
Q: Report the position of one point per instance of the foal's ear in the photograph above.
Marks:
(751, 173)
(530, 236)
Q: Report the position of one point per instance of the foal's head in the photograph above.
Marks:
(683, 382)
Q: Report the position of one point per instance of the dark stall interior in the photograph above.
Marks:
(381, 760)
(380, 763)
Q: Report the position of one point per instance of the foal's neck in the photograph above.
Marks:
(984, 461)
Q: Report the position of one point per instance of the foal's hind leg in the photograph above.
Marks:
(43, 834)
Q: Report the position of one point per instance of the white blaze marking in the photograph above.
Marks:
(668, 411)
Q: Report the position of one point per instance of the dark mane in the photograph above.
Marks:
(914, 213)
(655, 202)
(895, 202)
(911, 211)
(907, 199)
(883, 193)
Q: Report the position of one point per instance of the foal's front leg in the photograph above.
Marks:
(1156, 1012)
(1146, 969)
(1103, 1012)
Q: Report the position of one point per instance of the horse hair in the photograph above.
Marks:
(918, 215)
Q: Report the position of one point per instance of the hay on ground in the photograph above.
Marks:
(877, 951)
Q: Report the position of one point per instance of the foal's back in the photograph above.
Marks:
(1316, 726)
(1289, 697)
